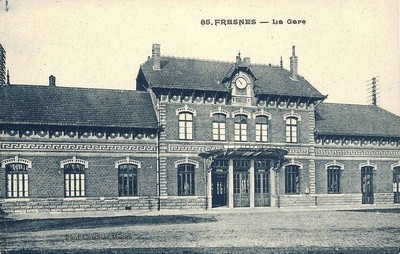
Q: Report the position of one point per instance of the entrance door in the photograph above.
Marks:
(262, 185)
(396, 184)
(241, 189)
(367, 187)
(219, 189)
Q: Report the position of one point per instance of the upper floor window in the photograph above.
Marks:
(127, 180)
(74, 180)
(186, 184)
(292, 179)
(334, 179)
(219, 127)
(240, 128)
(261, 128)
(291, 130)
(185, 126)
(17, 180)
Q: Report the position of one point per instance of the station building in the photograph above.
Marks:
(194, 134)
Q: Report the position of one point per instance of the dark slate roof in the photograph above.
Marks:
(356, 120)
(45, 105)
(204, 75)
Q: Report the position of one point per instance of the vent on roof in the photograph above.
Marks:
(52, 80)
(246, 60)
(156, 55)
(293, 65)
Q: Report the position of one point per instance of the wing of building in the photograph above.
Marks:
(194, 134)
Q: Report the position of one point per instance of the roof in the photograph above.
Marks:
(46, 105)
(205, 75)
(356, 120)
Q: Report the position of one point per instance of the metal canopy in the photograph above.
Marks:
(250, 153)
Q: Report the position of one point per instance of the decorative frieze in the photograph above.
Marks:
(179, 148)
(355, 152)
(38, 146)
(371, 142)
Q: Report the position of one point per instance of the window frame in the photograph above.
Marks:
(240, 127)
(292, 179)
(261, 128)
(186, 174)
(333, 174)
(219, 127)
(71, 183)
(291, 129)
(17, 180)
(185, 125)
(130, 189)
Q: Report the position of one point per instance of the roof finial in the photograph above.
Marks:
(238, 58)
(281, 63)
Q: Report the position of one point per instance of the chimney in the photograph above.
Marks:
(52, 80)
(246, 60)
(293, 65)
(156, 55)
(3, 80)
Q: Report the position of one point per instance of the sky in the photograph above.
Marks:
(341, 46)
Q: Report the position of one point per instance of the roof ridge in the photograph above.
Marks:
(218, 61)
(74, 87)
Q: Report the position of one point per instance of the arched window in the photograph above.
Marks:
(334, 179)
(240, 128)
(74, 180)
(17, 180)
(261, 128)
(185, 126)
(127, 180)
(292, 179)
(186, 184)
(218, 127)
(291, 130)
(396, 184)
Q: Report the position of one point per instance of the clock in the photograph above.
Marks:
(241, 83)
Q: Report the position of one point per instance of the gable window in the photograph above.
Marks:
(291, 130)
(185, 126)
(127, 180)
(17, 180)
(186, 180)
(334, 179)
(240, 128)
(261, 128)
(218, 127)
(292, 179)
(74, 180)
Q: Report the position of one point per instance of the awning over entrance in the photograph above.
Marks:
(250, 153)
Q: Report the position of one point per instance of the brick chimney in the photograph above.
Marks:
(52, 80)
(293, 65)
(246, 60)
(156, 56)
(3, 80)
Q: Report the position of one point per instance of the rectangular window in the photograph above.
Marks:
(218, 127)
(262, 129)
(17, 180)
(186, 184)
(127, 180)
(261, 182)
(291, 130)
(334, 180)
(185, 126)
(240, 132)
(292, 181)
(74, 180)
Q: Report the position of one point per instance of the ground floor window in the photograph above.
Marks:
(367, 186)
(261, 182)
(127, 180)
(241, 182)
(186, 182)
(17, 180)
(333, 179)
(396, 184)
(74, 179)
(292, 179)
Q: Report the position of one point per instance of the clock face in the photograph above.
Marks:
(241, 83)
